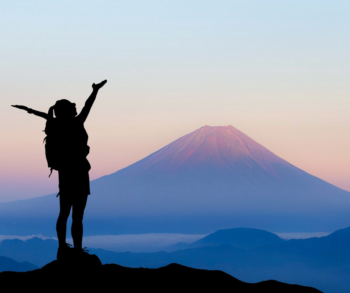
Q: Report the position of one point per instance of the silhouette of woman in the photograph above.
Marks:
(67, 152)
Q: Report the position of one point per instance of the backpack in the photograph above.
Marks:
(57, 150)
(52, 145)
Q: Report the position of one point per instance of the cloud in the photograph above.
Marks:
(301, 235)
(24, 238)
(138, 242)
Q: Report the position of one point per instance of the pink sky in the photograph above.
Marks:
(321, 152)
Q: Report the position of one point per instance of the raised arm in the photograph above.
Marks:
(31, 111)
(90, 101)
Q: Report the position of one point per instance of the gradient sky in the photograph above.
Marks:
(276, 70)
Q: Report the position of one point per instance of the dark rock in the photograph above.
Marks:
(87, 274)
(78, 263)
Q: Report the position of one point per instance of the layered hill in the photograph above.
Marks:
(323, 263)
(237, 237)
(212, 178)
(8, 264)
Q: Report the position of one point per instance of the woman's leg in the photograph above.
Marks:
(61, 226)
(77, 217)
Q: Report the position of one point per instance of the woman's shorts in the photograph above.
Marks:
(74, 181)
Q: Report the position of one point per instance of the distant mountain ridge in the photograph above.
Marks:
(212, 178)
(8, 264)
(323, 263)
(237, 237)
(34, 250)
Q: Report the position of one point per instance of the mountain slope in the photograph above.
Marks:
(212, 178)
(215, 170)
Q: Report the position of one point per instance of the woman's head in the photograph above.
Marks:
(65, 109)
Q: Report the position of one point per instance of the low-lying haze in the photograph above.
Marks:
(151, 242)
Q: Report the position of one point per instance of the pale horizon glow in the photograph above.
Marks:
(276, 71)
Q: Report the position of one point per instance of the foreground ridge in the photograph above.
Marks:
(89, 274)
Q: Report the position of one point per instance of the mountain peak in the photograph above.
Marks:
(211, 147)
(217, 127)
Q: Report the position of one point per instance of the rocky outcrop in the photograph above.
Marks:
(87, 274)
